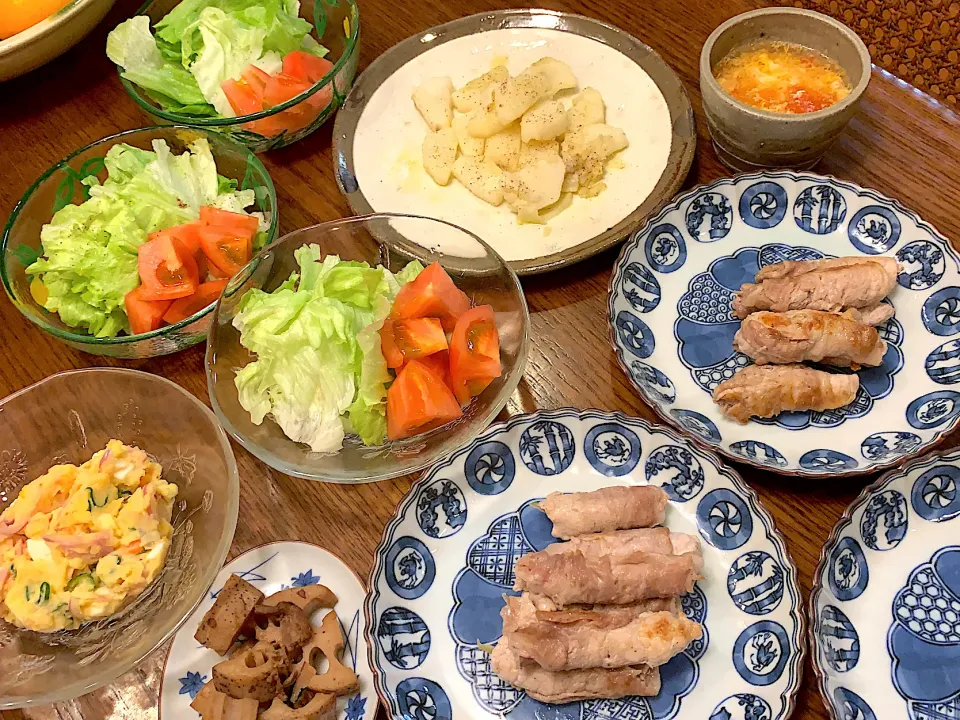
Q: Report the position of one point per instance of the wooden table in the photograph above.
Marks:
(902, 143)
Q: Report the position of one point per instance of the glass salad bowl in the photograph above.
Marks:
(68, 417)
(64, 184)
(391, 241)
(336, 26)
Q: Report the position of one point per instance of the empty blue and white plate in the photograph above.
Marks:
(672, 327)
(271, 568)
(885, 605)
(448, 556)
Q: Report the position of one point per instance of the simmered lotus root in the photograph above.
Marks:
(243, 647)
(322, 706)
(278, 648)
(202, 701)
(309, 598)
(338, 679)
(284, 623)
(222, 624)
(254, 673)
(219, 706)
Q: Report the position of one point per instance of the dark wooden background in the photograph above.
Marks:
(902, 143)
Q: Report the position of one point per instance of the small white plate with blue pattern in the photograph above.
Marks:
(273, 567)
(448, 556)
(672, 326)
(885, 605)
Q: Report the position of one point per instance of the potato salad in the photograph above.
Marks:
(529, 141)
(79, 543)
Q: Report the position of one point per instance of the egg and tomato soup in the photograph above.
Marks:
(78, 543)
(782, 77)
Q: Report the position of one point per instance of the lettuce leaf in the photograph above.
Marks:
(217, 47)
(280, 21)
(90, 264)
(319, 369)
(132, 47)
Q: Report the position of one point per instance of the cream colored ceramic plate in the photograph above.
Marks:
(378, 132)
(50, 38)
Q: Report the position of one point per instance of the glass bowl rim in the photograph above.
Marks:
(116, 137)
(68, 691)
(298, 470)
(182, 119)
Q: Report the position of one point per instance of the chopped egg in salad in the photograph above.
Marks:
(80, 542)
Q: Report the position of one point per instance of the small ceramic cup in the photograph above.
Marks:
(750, 139)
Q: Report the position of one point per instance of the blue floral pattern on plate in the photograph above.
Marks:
(191, 684)
(568, 451)
(872, 568)
(698, 251)
(273, 567)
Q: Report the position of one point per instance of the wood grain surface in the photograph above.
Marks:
(901, 143)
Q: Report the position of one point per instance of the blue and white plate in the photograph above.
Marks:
(672, 327)
(885, 606)
(271, 568)
(448, 556)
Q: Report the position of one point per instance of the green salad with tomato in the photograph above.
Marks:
(152, 244)
(226, 58)
(343, 348)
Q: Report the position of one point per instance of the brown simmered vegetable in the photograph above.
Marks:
(254, 673)
(338, 678)
(323, 706)
(284, 623)
(224, 707)
(222, 624)
(243, 647)
(309, 598)
(202, 701)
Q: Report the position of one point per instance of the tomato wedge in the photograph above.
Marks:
(474, 353)
(388, 347)
(183, 308)
(244, 97)
(256, 79)
(167, 269)
(306, 66)
(413, 339)
(186, 234)
(224, 249)
(439, 363)
(241, 224)
(144, 315)
(431, 294)
(208, 271)
(418, 401)
(283, 87)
